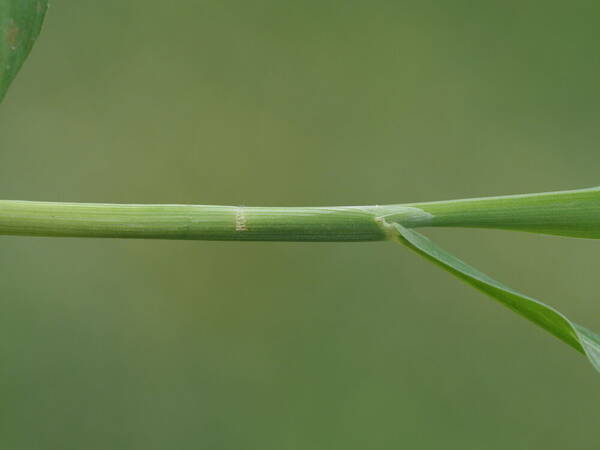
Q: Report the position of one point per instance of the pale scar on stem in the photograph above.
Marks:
(240, 220)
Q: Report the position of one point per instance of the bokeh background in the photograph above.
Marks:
(186, 345)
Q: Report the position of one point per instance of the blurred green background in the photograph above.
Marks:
(186, 345)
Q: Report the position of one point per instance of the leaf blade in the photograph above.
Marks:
(20, 25)
(578, 337)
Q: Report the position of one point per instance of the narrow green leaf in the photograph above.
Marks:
(543, 315)
(20, 24)
(567, 213)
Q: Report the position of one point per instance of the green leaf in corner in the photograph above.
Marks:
(578, 337)
(20, 25)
